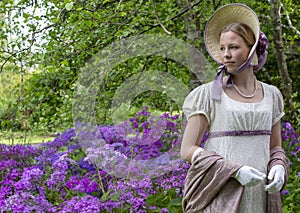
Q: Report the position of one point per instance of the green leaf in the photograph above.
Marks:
(69, 6)
(105, 196)
(116, 196)
(26, 15)
(89, 23)
(176, 201)
(153, 78)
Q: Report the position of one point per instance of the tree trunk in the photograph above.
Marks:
(281, 59)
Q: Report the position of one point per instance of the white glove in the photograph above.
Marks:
(276, 173)
(249, 176)
(199, 149)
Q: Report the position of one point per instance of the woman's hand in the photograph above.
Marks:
(249, 176)
(276, 173)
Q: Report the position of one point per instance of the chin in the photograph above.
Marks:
(230, 69)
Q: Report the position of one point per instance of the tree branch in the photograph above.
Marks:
(289, 21)
(157, 18)
(186, 9)
(12, 55)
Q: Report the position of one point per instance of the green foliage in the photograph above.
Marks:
(9, 82)
(10, 99)
(291, 201)
(62, 38)
(48, 99)
(297, 108)
(165, 199)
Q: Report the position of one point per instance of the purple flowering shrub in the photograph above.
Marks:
(59, 176)
(291, 192)
(148, 136)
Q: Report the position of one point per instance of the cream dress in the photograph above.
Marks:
(230, 115)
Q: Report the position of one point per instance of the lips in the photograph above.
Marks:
(228, 62)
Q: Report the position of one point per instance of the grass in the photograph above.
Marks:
(12, 138)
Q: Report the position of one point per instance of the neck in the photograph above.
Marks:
(244, 79)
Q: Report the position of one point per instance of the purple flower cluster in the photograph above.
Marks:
(291, 144)
(21, 187)
(79, 204)
(59, 173)
(83, 184)
(292, 141)
(60, 176)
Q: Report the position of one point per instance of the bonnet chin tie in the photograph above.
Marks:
(218, 82)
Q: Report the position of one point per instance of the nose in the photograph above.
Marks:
(227, 53)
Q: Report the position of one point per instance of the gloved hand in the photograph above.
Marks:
(199, 149)
(249, 176)
(276, 173)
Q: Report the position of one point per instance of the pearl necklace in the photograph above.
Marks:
(247, 96)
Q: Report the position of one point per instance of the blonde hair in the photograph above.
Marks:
(242, 30)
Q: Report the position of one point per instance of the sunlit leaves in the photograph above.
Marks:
(69, 6)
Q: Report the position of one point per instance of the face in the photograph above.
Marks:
(233, 50)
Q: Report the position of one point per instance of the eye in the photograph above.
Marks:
(222, 48)
(234, 47)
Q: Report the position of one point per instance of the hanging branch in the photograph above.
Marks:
(186, 9)
(182, 12)
(27, 49)
(157, 18)
(289, 21)
(119, 3)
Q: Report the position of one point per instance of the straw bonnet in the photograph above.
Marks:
(225, 15)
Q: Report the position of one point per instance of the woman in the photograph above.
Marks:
(242, 167)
